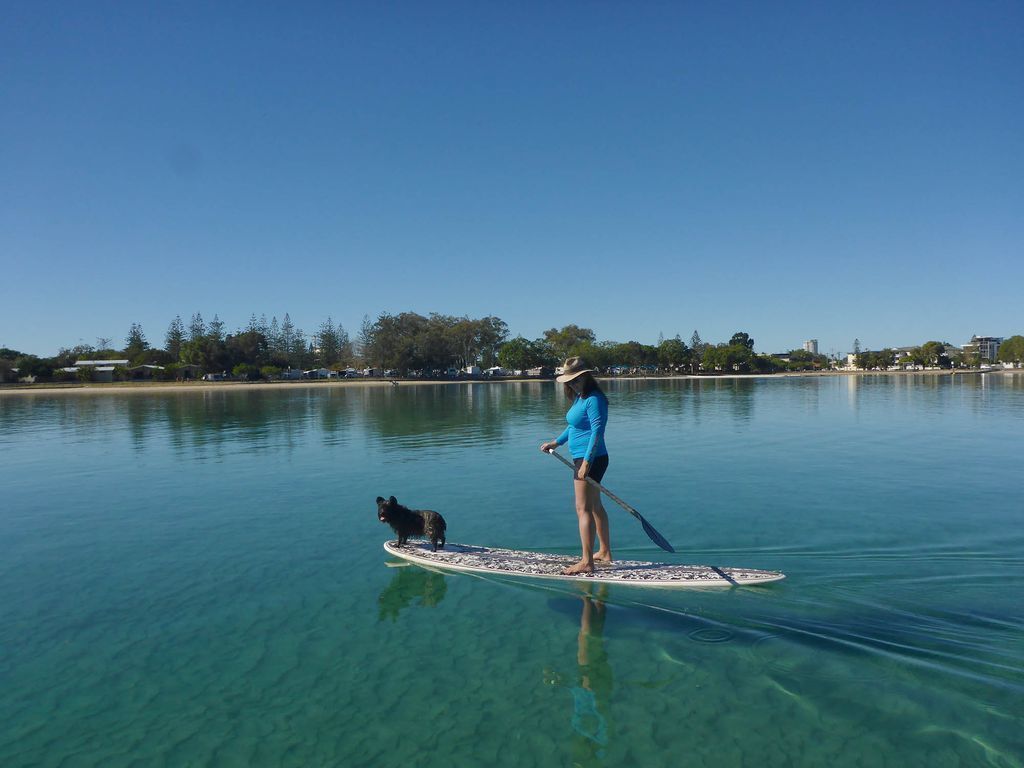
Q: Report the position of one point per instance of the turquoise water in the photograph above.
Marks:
(197, 578)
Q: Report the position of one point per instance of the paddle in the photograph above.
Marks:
(656, 537)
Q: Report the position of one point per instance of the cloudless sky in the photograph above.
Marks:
(792, 170)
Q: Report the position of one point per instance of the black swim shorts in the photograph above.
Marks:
(597, 467)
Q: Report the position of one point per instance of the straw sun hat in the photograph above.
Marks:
(574, 368)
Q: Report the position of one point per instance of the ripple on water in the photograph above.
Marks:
(711, 635)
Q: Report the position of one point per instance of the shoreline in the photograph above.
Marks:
(165, 387)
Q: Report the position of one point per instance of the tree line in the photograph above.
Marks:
(408, 343)
(935, 354)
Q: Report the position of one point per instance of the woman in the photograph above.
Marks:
(585, 434)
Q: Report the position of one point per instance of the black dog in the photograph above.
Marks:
(407, 522)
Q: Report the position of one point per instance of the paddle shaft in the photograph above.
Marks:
(597, 485)
(656, 537)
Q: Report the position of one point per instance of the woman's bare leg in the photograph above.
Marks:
(604, 541)
(585, 518)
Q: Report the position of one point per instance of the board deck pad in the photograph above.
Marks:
(543, 565)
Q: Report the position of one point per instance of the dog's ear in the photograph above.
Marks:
(393, 501)
(380, 499)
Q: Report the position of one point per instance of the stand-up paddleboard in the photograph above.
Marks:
(542, 565)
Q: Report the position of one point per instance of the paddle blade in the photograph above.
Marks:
(656, 537)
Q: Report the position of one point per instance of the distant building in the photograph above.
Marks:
(811, 346)
(102, 370)
(144, 371)
(987, 347)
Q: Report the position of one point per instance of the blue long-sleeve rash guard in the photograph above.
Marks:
(585, 434)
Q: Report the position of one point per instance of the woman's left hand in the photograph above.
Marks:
(583, 471)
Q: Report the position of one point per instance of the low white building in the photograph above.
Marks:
(102, 370)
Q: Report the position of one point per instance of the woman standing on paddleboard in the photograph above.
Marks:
(587, 418)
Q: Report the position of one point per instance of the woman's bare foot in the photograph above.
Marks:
(601, 556)
(581, 567)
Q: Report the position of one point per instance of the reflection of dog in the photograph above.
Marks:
(407, 522)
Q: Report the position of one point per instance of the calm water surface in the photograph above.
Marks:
(197, 579)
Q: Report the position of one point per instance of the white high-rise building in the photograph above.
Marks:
(987, 347)
(811, 346)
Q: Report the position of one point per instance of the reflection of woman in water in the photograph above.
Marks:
(592, 693)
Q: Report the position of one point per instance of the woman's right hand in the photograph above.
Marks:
(545, 447)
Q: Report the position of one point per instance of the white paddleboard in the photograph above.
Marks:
(542, 565)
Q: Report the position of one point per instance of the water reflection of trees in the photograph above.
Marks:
(416, 416)
(672, 398)
(410, 583)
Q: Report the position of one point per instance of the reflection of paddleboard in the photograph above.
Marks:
(542, 565)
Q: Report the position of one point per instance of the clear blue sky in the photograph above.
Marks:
(792, 170)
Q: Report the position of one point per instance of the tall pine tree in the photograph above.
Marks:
(175, 337)
(216, 329)
(135, 343)
(196, 328)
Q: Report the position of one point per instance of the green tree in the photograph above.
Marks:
(67, 357)
(135, 344)
(175, 337)
(1011, 350)
(521, 354)
(673, 353)
(331, 344)
(696, 351)
(249, 347)
(32, 366)
(299, 352)
(364, 342)
(933, 353)
(564, 341)
(633, 354)
(216, 331)
(287, 342)
(742, 339)
(196, 327)
(465, 342)
(491, 334)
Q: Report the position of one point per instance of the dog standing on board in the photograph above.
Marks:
(407, 522)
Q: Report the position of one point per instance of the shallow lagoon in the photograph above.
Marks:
(197, 578)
